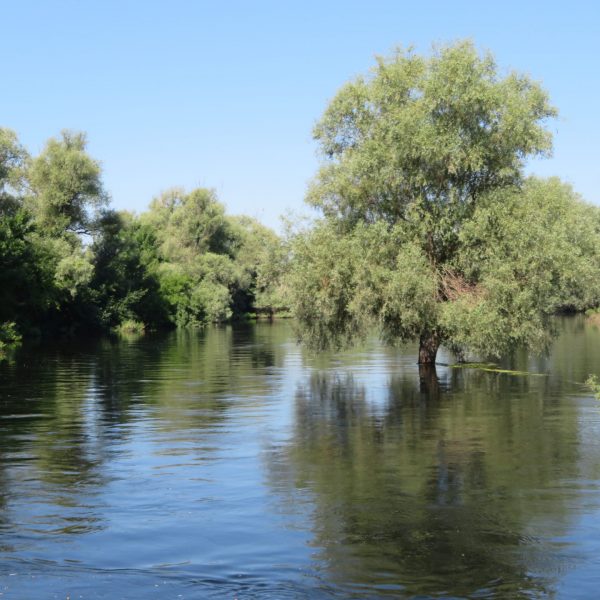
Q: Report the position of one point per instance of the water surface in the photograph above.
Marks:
(229, 463)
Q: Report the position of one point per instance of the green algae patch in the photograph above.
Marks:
(493, 368)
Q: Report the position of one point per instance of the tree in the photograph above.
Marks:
(415, 156)
(12, 168)
(262, 259)
(66, 185)
(67, 262)
(123, 285)
(197, 244)
(26, 273)
(26, 277)
(190, 224)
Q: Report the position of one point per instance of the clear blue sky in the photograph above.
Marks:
(225, 94)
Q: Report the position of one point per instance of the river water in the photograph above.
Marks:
(230, 463)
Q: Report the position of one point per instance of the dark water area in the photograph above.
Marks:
(230, 463)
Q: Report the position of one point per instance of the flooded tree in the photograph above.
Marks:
(424, 199)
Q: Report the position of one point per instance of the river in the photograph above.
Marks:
(231, 463)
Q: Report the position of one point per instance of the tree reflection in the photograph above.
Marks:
(442, 488)
(414, 482)
(68, 411)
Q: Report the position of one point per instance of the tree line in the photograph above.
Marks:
(69, 263)
(430, 227)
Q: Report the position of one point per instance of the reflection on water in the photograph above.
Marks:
(231, 463)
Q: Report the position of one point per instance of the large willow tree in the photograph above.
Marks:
(421, 186)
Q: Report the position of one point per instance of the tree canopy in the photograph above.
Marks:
(430, 229)
(66, 184)
(424, 198)
(424, 137)
(68, 262)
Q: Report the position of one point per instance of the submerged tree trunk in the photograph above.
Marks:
(428, 346)
(429, 384)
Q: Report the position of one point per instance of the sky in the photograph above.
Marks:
(225, 94)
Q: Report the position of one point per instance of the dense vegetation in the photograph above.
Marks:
(430, 228)
(69, 263)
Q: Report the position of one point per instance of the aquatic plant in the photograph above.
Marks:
(593, 383)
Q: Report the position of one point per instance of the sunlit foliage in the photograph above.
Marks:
(68, 262)
(430, 229)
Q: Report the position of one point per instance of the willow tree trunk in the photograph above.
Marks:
(429, 384)
(428, 346)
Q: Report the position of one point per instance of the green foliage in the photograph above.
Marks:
(210, 267)
(500, 289)
(123, 285)
(593, 383)
(193, 301)
(425, 204)
(12, 166)
(344, 283)
(130, 327)
(324, 282)
(189, 225)
(593, 316)
(67, 262)
(424, 199)
(26, 272)
(74, 272)
(263, 260)
(66, 185)
(9, 335)
(516, 277)
(194, 261)
(422, 137)
(212, 301)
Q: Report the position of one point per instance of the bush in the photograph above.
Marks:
(593, 383)
(9, 336)
(593, 316)
(130, 326)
